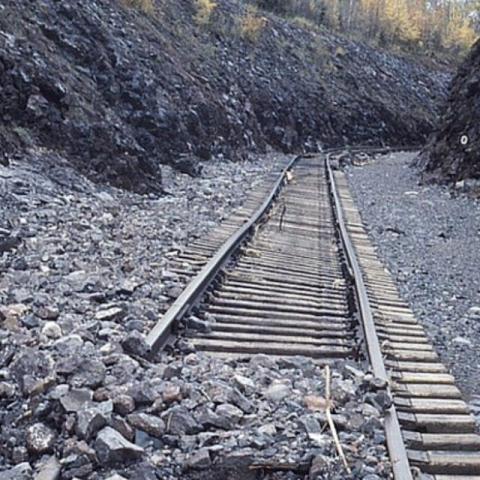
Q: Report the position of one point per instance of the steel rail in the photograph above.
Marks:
(395, 443)
(158, 337)
(160, 333)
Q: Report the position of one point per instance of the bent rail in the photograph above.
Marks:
(158, 336)
(395, 443)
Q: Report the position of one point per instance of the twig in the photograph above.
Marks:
(331, 423)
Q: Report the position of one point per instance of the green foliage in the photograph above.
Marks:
(252, 24)
(446, 25)
(204, 10)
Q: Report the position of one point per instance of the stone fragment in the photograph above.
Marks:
(52, 330)
(112, 448)
(123, 427)
(50, 470)
(123, 404)
(92, 418)
(48, 313)
(180, 421)
(128, 287)
(40, 438)
(19, 454)
(12, 315)
(245, 384)
(231, 414)
(171, 394)
(76, 399)
(199, 460)
(277, 392)
(195, 323)
(112, 313)
(22, 471)
(318, 467)
(150, 424)
(135, 344)
(7, 390)
(462, 341)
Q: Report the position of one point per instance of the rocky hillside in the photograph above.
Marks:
(119, 91)
(453, 151)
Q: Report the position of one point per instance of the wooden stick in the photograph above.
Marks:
(331, 423)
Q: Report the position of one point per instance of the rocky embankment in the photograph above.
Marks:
(453, 153)
(84, 273)
(118, 91)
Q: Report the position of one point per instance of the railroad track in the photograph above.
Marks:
(298, 276)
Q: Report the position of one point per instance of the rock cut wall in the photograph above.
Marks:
(118, 92)
(453, 152)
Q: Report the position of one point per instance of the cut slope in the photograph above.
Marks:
(453, 152)
(119, 92)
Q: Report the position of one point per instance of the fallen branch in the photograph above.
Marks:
(331, 423)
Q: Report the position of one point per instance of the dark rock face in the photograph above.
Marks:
(452, 153)
(118, 92)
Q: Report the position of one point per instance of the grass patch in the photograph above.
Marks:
(204, 8)
(252, 24)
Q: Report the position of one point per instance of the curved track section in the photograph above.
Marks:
(286, 293)
(294, 273)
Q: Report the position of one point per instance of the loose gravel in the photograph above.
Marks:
(429, 237)
(84, 274)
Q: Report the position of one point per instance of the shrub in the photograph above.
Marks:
(146, 6)
(204, 9)
(252, 24)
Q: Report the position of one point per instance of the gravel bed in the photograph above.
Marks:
(429, 237)
(84, 273)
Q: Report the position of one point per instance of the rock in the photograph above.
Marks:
(52, 330)
(90, 372)
(9, 243)
(76, 399)
(148, 423)
(7, 390)
(40, 438)
(12, 314)
(112, 448)
(91, 418)
(199, 460)
(179, 421)
(229, 413)
(311, 424)
(19, 455)
(48, 313)
(318, 467)
(245, 384)
(23, 471)
(116, 477)
(110, 314)
(123, 404)
(277, 392)
(122, 426)
(189, 166)
(195, 323)
(134, 343)
(50, 470)
(172, 394)
(128, 287)
(462, 341)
